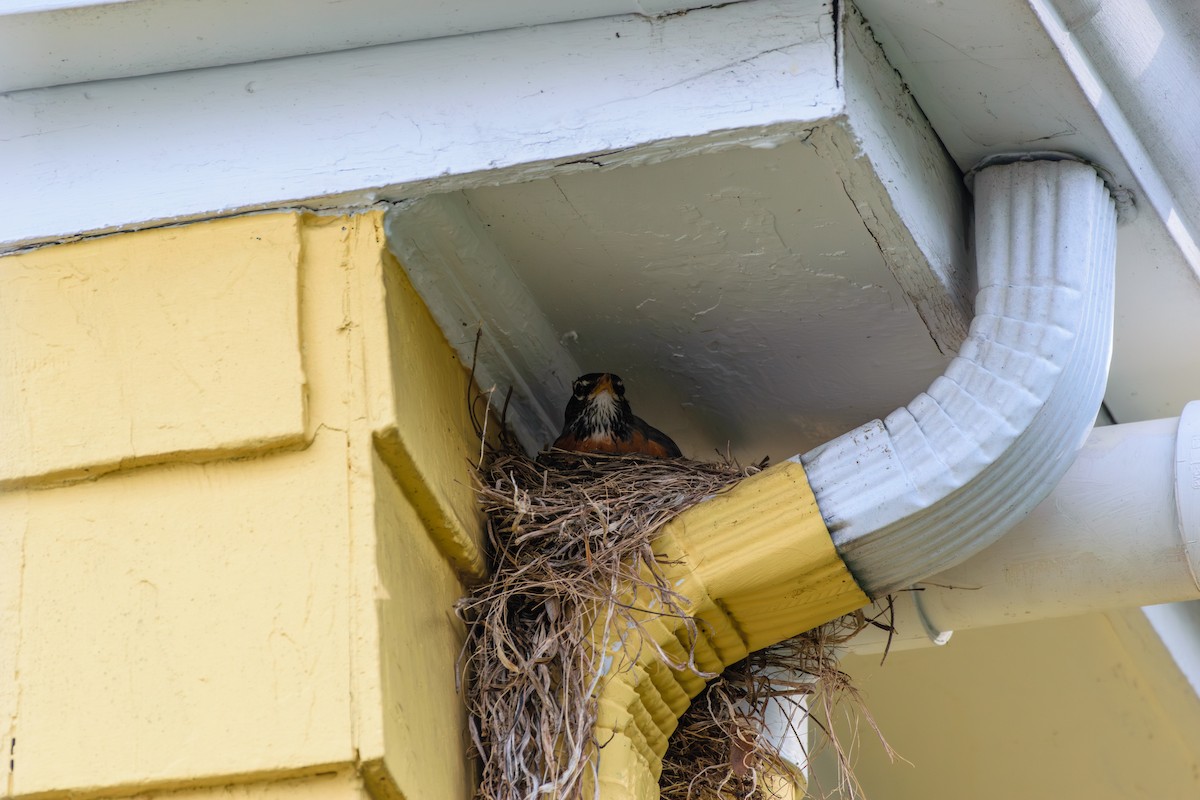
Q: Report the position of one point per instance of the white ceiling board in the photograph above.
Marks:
(739, 294)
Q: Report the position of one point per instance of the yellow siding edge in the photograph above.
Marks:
(451, 537)
(421, 427)
(334, 781)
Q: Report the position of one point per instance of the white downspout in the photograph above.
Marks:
(1121, 530)
(956, 469)
(942, 478)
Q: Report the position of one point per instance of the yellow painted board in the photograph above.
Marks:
(426, 437)
(425, 731)
(765, 557)
(174, 344)
(182, 622)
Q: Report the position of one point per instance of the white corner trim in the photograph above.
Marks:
(397, 121)
(1178, 625)
(942, 478)
(470, 287)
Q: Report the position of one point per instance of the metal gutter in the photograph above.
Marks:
(1137, 63)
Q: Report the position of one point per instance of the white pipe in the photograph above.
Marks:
(785, 717)
(1121, 530)
(950, 473)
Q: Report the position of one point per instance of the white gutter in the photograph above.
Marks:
(1137, 63)
(942, 478)
(1121, 529)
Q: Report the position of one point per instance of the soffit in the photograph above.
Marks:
(739, 294)
(758, 299)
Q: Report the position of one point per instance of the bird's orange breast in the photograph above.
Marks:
(636, 444)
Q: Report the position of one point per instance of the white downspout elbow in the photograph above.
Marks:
(947, 475)
(1121, 530)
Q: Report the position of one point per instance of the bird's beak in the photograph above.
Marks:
(603, 385)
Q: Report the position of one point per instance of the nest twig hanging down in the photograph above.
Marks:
(568, 539)
(720, 750)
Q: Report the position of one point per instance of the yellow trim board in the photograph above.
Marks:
(422, 429)
(757, 566)
(170, 345)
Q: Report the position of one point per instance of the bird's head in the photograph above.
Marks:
(597, 405)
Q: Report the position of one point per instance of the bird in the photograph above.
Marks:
(598, 419)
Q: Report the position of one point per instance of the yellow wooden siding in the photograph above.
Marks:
(256, 583)
(425, 435)
(424, 718)
(233, 599)
(168, 345)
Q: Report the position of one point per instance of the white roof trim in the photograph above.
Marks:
(58, 42)
(396, 121)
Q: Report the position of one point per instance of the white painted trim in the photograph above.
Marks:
(470, 287)
(1141, 145)
(905, 186)
(401, 120)
(1178, 625)
(56, 42)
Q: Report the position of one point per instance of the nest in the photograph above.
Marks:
(569, 536)
(567, 539)
(720, 752)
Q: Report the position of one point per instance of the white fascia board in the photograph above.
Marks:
(390, 122)
(56, 42)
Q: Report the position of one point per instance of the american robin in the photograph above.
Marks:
(599, 420)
